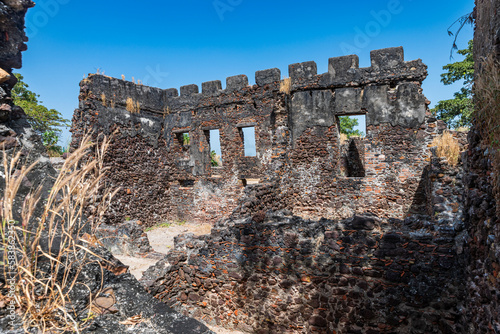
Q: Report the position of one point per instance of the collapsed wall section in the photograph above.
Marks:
(283, 274)
(161, 155)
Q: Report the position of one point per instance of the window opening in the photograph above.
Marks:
(249, 143)
(184, 139)
(215, 148)
(352, 133)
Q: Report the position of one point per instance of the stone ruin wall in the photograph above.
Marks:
(482, 215)
(300, 165)
(394, 265)
(279, 273)
(283, 274)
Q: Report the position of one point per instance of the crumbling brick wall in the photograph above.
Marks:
(299, 153)
(394, 264)
(279, 273)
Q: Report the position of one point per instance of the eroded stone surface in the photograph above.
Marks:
(300, 164)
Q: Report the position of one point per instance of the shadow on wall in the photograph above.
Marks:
(281, 274)
(328, 278)
(422, 202)
(356, 158)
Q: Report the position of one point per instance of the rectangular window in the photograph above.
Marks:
(249, 143)
(353, 126)
(352, 130)
(184, 139)
(215, 148)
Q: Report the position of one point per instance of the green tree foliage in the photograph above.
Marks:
(347, 125)
(457, 112)
(49, 140)
(213, 159)
(186, 139)
(40, 117)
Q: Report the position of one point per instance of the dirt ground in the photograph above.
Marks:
(162, 240)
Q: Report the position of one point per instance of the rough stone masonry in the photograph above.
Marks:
(300, 163)
(314, 235)
(482, 192)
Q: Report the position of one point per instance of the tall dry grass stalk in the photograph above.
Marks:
(487, 100)
(447, 147)
(51, 250)
(286, 86)
(133, 107)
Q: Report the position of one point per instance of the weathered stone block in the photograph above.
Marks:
(211, 87)
(266, 77)
(117, 90)
(99, 84)
(189, 90)
(386, 59)
(236, 82)
(410, 105)
(171, 92)
(302, 71)
(377, 105)
(311, 109)
(343, 67)
(348, 101)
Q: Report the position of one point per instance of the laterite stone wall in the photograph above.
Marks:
(298, 150)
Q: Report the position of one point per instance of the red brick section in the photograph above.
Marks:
(395, 185)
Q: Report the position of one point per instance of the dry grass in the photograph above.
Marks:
(166, 111)
(107, 102)
(447, 147)
(133, 107)
(286, 86)
(52, 250)
(343, 138)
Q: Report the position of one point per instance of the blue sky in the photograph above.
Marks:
(173, 43)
